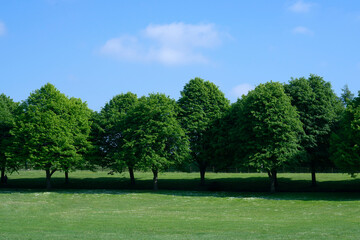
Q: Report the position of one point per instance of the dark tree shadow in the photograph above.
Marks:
(220, 187)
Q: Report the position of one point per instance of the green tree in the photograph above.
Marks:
(96, 155)
(268, 129)
(345, 142)
(51, 131)
(111, 126)
(7, 121)
(319, 110)
(201, 103)
(220, 151)
(346, 96)
(78, 125)
(153, 136)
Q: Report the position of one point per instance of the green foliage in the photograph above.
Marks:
(268, 128)
(7, 121)
(78, 127)
(345, 142)
(51, 131)
(109, 130)
(201, 104)
(220, 150)
(346, 96)
(95, 156)
(153, 135)
(319, 110)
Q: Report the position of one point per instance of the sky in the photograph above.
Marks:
(94, 50)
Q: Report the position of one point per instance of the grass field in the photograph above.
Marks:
(113, 214)
(27, 211)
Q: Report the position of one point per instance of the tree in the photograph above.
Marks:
(319, 110)
(111, 126)
(51, 131)
(7, 121)
(96, 156)
(201, 103)
(267, 130)
(345, 142)
(220, 143)
(154, 136)
(346, 96)
(78, 125)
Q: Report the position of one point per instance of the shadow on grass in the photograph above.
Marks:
(235, 185)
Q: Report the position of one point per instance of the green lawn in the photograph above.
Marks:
(111, 210)
(115, 214)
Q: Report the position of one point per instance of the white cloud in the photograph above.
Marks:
(241, 89)
(2, 28)
(301, 7)
(123, 47)
(184, 35)
(302, 30)
(175, 43)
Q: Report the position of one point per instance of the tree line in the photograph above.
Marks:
(299, 123)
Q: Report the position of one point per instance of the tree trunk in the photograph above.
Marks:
(202, 169)
(132, 177)
(313, 178)
(313, 174)
(3, 175)
(48, 176)
(273, 180)
(66, 177)
(155, 172)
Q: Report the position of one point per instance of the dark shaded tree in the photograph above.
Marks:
(319, 109)
(201, 103)
(7, 121)
(96, 156)
(109, 128)
(345, 142)
(220, 142)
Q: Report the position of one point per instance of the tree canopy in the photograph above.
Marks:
(319, 110)
(110, 137)
(154, 136)
(51, 131)
(201, 103)
(7, 121)
(346, 96)
(345, 142)
(268, 129)
(273, 126)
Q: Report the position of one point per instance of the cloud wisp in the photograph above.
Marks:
(170, 44)
(241, 89)
(301, 7)
(2, 28)
(302, 30)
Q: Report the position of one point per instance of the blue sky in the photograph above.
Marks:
(94, 50)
